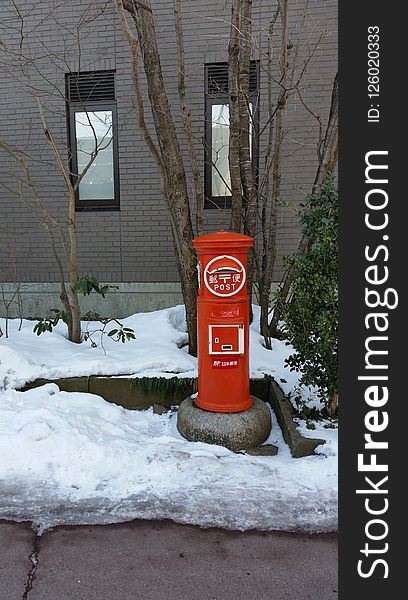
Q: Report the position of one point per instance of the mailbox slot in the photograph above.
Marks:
(226, 339)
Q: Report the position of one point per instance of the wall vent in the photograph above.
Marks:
(217, 78)
(98, 86)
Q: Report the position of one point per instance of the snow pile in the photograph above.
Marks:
(154, 353)
(16, 367)
(74, 458)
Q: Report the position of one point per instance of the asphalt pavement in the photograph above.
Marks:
(160, 560)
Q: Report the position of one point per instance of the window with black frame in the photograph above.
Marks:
(93, 142)
(217, 176)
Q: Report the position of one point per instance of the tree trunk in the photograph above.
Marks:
(174, 179)
(264, 319)
(249, 195)
(245, 117)
(74, 324)
(75, 310)
(234, 130)
(277, 121)
(332, 405)
(186, 111)
(328, 153)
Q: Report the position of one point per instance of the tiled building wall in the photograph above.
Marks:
(135, 243)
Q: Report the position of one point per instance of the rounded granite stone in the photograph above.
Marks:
(236, 431)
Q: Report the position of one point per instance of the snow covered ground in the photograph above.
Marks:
(158, 351)
(74, 458)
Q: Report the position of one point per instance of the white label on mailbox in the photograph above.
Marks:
(224, 276)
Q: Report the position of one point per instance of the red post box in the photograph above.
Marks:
(223, 322)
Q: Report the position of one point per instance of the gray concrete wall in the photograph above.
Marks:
(31, 300)
(135, 244)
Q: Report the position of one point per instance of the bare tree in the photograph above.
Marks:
(255, 197)
(186, 111)
(10, 296)
(256, 200)
(235, 44)
(327, 155)
(25, 69)
(243, 185)
(141, 34)
(267, 249)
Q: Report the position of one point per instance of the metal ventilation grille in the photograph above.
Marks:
(91, 87)
(217, 78)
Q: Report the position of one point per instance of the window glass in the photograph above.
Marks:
(220, 179)
(217, 180)
(93, 132)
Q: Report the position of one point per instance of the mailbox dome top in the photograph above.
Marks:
(224, 239)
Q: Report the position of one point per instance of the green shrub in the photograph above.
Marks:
(85, 286)
(311, 314)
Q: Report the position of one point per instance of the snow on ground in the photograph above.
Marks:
(158, 351)
(154, 353)
(74, 458)
(272, 362)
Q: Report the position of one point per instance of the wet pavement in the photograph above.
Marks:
(160, 560)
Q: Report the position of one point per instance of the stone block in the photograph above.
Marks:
(236, 431)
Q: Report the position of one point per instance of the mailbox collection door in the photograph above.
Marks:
(226, 339)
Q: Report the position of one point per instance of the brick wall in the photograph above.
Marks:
(135, 244)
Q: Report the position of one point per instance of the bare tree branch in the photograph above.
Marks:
(139, 105)
(185, 108)
(326, 166)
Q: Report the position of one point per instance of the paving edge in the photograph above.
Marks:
(299, 445)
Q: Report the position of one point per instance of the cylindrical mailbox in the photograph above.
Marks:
(223, 322)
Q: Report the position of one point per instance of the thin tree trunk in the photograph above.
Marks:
(75, 323)
(73, 273)
(185, 108)
(278, 123)
(234, 129)
(174, 179)
(69, 298)
(328, 154)
(249, 195)
(332, 405)
(245, 162)
(261, 251)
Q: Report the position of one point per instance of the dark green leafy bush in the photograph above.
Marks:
(311, 314)
(48, 323)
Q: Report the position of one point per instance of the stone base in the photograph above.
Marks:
(236, 431)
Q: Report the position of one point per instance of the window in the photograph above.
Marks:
(217, 176)
(93, 139)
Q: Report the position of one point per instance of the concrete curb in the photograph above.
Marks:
(299, 445)
(125, 391)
